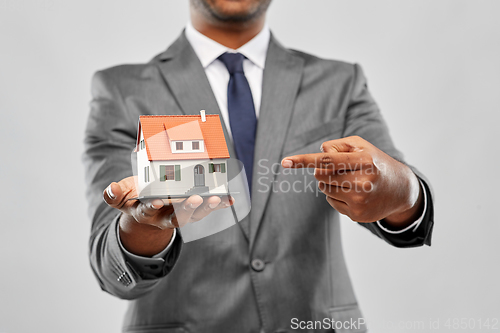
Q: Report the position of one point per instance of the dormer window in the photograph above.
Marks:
(187, 146)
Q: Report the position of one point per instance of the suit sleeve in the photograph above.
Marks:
(363, 118)
(110, 137)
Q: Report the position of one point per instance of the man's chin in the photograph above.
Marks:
(233, 10)
(234, 17)
(234, 14)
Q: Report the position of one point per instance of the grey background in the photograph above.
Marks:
(433, 67)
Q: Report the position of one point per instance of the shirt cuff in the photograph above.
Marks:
(414, 226)
(151, 265)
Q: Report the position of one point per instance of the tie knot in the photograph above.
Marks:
(233, 62)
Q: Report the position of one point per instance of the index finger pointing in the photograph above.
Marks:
(337, 161)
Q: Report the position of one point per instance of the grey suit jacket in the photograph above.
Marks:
(285, 259)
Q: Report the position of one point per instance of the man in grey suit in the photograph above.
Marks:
(282, 267)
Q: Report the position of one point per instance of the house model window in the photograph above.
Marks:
(187, 146)
(170, 172)
(146, 174)
(216, 167)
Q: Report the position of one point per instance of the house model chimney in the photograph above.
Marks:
(202, 114)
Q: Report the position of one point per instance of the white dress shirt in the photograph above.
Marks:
(255, 52)
(209, 50)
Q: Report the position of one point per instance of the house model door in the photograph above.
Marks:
(199, 175)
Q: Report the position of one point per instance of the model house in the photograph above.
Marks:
(178, 156)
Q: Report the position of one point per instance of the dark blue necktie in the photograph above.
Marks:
(241, 112)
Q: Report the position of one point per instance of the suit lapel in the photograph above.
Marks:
(186, 79)
(282, 76)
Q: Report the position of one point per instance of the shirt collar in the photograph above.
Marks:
(209, 50)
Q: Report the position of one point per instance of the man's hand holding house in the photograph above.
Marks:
(146, 226)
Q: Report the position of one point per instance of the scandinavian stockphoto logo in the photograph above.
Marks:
(309, 178)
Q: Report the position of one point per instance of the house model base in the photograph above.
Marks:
(203, 195)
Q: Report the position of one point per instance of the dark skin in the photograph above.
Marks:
(231, 23)
(363, 182)
(146, 228)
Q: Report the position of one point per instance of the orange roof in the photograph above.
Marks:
(187, 131)
(158, 131)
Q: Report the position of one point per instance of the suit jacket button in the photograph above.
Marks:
(258, 265)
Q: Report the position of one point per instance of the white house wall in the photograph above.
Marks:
(142, 162)
(215, 181)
